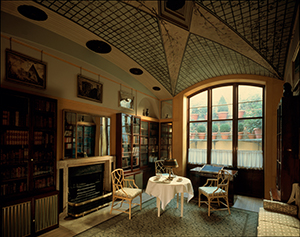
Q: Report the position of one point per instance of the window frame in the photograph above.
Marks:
(235, 120)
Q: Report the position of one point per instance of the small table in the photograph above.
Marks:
(165, 191)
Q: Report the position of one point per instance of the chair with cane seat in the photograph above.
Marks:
(124, 189)
(216, 189)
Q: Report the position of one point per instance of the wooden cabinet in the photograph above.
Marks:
(144, 143)
(128, 142)
(28, 150)
(288, 130)
(165, 139)
(149, 142)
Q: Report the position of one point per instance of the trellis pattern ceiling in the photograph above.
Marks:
(225, 37)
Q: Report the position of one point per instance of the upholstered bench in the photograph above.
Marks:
(278, 219)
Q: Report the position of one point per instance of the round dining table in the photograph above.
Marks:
(164, 190)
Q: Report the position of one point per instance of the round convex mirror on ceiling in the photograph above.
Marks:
(98, 46)
(136, 71)
(32, 13)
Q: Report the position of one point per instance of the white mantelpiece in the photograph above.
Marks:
(66, 164)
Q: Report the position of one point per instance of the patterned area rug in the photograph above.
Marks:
(195, 222)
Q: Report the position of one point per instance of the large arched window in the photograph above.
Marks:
(225, 126)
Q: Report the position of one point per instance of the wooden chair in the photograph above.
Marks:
(124, 189)
(216, 189)
(160, 169)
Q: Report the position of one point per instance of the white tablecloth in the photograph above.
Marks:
(166, 191)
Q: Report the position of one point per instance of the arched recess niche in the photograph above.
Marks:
(146, 103)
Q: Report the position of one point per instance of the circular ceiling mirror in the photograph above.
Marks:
(32, 13)
(136, 71)
(98, 46)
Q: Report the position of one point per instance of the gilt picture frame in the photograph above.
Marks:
(89, 89)
(25, 70)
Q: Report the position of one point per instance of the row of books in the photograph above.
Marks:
(45, 182)
(41, 138)
(43, 155)
(13, 118)
(144, 140)
(42, 105)
(16, 137)
(14, 172)
(14, 156)
(43, 122)
(13, 188)
(42, 169)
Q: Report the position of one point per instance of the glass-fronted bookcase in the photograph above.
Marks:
(28, 162)
(128, 141)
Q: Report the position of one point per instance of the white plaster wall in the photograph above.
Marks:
(62, 71)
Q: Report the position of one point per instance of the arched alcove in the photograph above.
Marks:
(149, 104)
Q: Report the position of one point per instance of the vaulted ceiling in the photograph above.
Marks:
(177, 48)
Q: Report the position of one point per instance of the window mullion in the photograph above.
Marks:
(209, 126)
(235, 126)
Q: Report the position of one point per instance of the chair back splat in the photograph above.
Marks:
(124, 189)
(214, 190)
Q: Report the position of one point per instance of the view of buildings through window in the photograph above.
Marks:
(225, 126)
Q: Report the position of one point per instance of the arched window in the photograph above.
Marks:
(225, 126)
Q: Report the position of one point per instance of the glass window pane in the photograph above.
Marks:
(221, 150)
(222, 103)
(250, 101)
(198, 143)
(198, 107)
(249, 153)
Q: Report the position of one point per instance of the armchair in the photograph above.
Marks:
(216, 189)
(124, 189)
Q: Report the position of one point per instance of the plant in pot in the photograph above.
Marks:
(241, 111)
(257, 128)
(215, 130)
(250, 125)
(203, 112)
(222, 108)
(194, 114)
(224, 130)
(201, 131)
(192, 130)
(240, 130)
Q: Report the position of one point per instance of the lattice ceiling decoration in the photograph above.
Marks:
(136, 30)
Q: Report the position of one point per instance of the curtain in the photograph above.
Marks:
(197, 156)
(221, 157)
(250, 159)
(246, 159)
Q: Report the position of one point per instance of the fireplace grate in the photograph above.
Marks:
(86, 192)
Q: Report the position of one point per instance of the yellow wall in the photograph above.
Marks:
(274, 89)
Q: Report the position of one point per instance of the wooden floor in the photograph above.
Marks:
(70, 227)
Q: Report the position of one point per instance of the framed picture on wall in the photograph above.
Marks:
(126, 100)
(25, 70)
(89, 89)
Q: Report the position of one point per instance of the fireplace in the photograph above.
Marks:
(85, 184)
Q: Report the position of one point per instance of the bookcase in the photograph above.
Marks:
(27, 158)
(288, 132)
(144, 143)
(166, 137)
(128, 142)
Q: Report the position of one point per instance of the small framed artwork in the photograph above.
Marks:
(126, 100)
(89, 89)
(25, 70)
